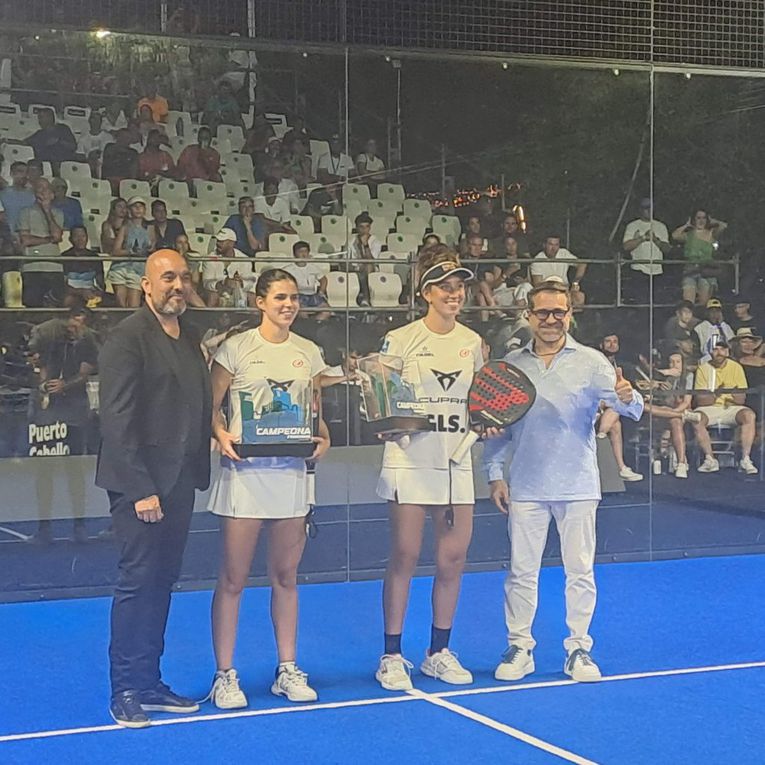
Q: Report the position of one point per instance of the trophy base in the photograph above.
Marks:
(302, 449)
(390, 426)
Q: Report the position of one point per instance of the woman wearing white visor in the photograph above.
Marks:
(440, 356)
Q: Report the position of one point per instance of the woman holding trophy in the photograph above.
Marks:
(418, 478)
(269, 375)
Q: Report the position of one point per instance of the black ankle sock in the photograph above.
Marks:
(439, 639)
(392, 643)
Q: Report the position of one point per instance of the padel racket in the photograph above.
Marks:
(499, 396)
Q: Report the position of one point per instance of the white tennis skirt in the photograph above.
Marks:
(262, 488)
(426, 486)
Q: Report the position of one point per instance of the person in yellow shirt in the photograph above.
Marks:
(158, 104)
(720, 408)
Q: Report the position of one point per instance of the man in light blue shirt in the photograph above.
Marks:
(554, 474)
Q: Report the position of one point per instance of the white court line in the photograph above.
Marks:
(371, 702)
(508, 730)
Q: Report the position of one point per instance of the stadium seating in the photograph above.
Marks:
(384, 289)
(342, 289)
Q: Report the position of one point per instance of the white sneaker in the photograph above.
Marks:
(516, 663)
(709, 465)
(601, 435)
(681, 471)
(628, 474)
(225, 692)
(393, 673)
(689, 416)
(579, 666)
(747, 466)
(444, 665)
(292, 682)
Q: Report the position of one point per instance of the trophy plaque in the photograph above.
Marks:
(389, 403)
(282, 427)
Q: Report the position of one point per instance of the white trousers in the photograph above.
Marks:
(528, 524)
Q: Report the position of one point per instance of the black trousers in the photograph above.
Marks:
(150, 564)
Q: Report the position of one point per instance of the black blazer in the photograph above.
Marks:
(144, 427)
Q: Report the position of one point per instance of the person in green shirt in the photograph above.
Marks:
(699, 235)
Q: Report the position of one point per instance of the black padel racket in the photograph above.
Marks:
(499, 396)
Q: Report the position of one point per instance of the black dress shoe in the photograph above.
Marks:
(125, 710)
(162, 699)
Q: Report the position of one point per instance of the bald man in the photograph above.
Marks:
(155, 405)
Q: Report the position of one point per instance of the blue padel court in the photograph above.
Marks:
(680, 644)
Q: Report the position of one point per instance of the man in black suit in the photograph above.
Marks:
(155, 405)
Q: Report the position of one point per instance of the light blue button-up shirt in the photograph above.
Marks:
(552, 449)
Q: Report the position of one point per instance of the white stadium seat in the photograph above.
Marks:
(384, 289)
(392, 192)
(337, 225)
(172, 192)
(75, 171)
(358, 191)
(407, 225)
(447, 227)
(233, 133)
(282, 243)
(342, 289)
(403, 242)
(418, 208)
(131, 187)
(303, 224)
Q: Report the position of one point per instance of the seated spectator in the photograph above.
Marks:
(747, 349)
(54, 142)
(297, 164)
(222, 108)
(699, 237)
(114, 118)
(324, 201)
(154, 163)
(41, 229)
(488, 210)
(118, 214)
(335, 166)
(547, 263)
(84, 278)
(481, 290)
(262, 160)
(510, 228)
(514, 291)
(742, 309)
(364, 246)
(288, 190)
(200, 161)
(369, 167)
(297, 132)
(669, 401)
(141, 128)
(311, 281)
(473, 226)
(714, 326)
(69, 206)
(680, 325)
(92, 144)
(135, 240)
(646, 241)
(610, 425)
(157, 104)
(274, 208)
(226, 284)
(727, 410)
(120, 161)
(17, 196)
(35, 172)
(166, 230)
(258, 136)
(250, 228)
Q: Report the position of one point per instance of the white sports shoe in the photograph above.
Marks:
(579, 666)
(709, 465)
(225, 692)
(628, 474)
(393, 673)
(747, 466)
(292, 682)
(444, 665)
(689, 416)
(516, 663)
(681, 471)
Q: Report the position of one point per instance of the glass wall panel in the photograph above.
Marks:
(708, 353)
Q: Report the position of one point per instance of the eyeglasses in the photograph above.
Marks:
(450, 289)
(543, 314)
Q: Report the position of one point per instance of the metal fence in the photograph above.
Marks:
(671, 32)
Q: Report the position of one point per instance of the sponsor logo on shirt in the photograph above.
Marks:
(446, 379)
(464, 353)
(279, 386)
(424, 353)
(298, 363)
